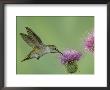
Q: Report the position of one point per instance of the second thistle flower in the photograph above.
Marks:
(89, 42)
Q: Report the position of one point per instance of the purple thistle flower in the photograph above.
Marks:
(89, 43)
(69, 59)
(70, 55)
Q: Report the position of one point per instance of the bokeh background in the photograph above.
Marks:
(64, 32)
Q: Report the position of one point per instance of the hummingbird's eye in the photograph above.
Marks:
(55, 48)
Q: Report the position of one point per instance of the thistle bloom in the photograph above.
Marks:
(70, 55)
(69, 59)
(89, 43)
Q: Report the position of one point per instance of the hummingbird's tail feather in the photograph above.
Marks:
(23, 60)
(27, 58)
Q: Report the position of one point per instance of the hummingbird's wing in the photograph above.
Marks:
(28, 40)
(37, 41)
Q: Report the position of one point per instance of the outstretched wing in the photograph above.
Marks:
(32, 39)
(35, 37)
(28, 40)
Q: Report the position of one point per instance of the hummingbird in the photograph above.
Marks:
(38, 47)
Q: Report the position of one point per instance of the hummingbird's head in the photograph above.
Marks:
(53, 49)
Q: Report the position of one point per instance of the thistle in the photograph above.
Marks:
(89, 43)
(69, 59)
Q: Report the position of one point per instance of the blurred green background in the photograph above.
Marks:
(62, 31)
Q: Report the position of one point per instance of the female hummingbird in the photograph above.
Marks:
(39, 48)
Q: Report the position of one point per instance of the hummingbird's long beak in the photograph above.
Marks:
(59, 51)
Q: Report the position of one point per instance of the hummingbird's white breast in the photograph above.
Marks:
(40, 52)
(47, 50)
